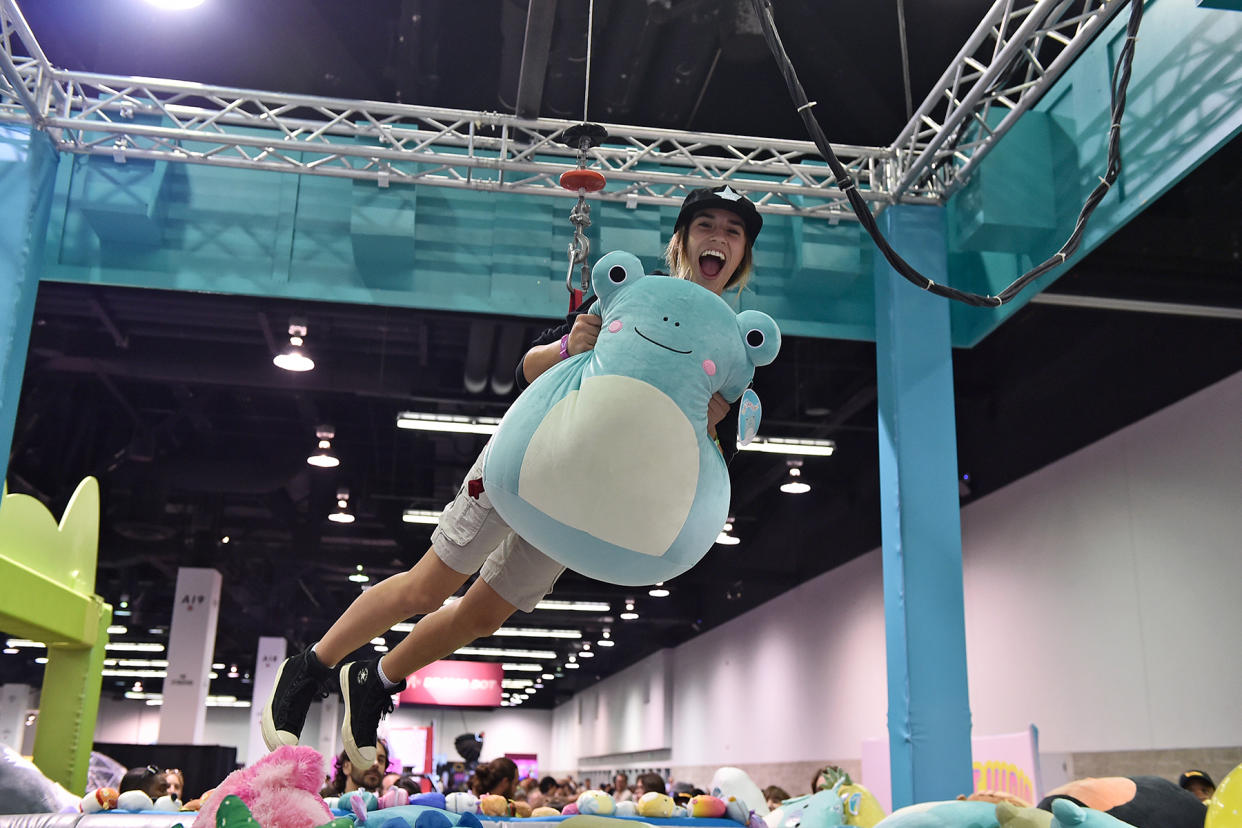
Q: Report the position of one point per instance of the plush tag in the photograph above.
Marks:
(748, 413)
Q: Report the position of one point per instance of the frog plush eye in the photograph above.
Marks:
(761, 336)
(614, 271)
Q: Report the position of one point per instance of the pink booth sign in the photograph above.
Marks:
(456, 683)
(1008, 762)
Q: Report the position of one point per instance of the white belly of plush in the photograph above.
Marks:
(618, 460)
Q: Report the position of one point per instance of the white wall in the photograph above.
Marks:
(1101, 604)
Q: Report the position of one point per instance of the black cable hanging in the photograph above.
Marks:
(1117, 92)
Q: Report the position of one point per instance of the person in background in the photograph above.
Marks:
(621, 788)
(150, 780)
(647, 782)
(1198, 783)
(499, 777)
(351, 777)
(390, 779)
(775, 795)
(176, 783)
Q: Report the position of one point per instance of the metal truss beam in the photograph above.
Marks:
(1016, 53)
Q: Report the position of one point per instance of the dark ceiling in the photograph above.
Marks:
(171, 398)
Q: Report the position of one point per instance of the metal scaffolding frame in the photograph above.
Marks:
(1016, 53)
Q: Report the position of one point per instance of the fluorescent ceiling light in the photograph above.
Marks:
(135, 647)
(791, 445)
(501, 652)
(420, 516)
(378, 641)
(403, 627)
(522, 668)
(127, 673)
(629, 615)
(117, 629)
(24, 642)
(725, 539)
(135, 662)
(537, 632)
(515, 684)
(455, 423)
(341, 517)
(575, 606)
(572, 665)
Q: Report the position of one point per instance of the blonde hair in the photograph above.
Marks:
(678, 260)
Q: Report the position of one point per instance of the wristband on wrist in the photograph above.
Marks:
(565, 346)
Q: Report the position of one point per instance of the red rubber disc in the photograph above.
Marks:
(588, 180)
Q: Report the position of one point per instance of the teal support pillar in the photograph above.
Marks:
(27, 177)
(928, 705)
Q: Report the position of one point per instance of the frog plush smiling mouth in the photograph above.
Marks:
(604, 463)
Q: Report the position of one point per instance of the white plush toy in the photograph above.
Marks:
(461, 802)
(134, 801)
(168, 803)
(628, 808)
(734, 783)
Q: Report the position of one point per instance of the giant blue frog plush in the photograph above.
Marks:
(604, 463)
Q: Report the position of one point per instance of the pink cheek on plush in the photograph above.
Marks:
(614, 326)
(709, 367)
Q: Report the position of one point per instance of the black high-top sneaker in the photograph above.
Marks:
(366, 702)
(300, 680)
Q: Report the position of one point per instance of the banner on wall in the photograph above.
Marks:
(1007, 762)
(457, 683)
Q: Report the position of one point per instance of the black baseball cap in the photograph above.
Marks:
(723, 197)
(1195, 776)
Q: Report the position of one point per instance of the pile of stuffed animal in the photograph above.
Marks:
(281, 791)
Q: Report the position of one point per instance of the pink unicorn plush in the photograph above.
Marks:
(281, 790)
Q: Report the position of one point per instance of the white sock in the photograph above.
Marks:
(388, 683)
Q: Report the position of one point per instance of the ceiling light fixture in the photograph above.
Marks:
(658, 591)
(522, 668)
(323, 457)
(420, 516)
(294, 358)
(724, 538)
(175, 5)
(360, 577)
(342, 513)
(503, 652)
(537, 632)
(629, 614)
(516, 684)
(795, 484)
(455, 423)
(606, 641)
(791, 445)
(574, 606)
(117, 629)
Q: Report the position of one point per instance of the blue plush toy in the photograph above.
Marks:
(604, 462)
